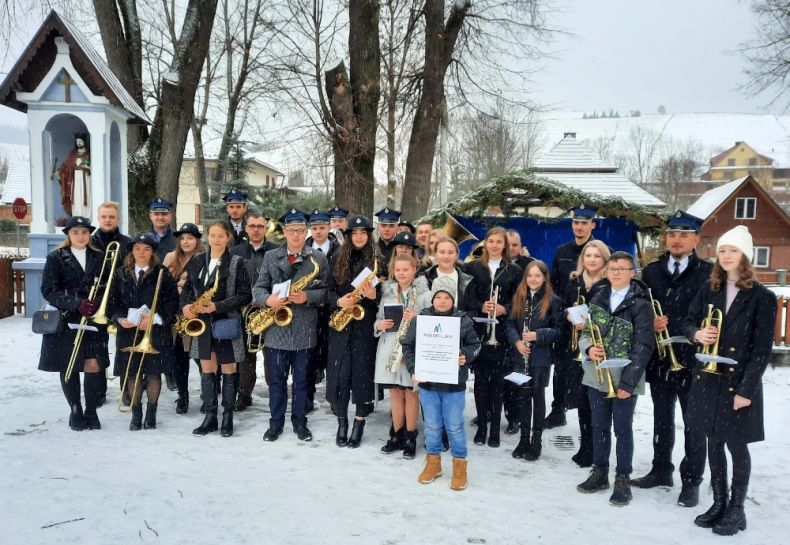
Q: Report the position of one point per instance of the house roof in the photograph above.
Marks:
(17, 182)
(34, 63)
(711, 200)
(571, 155)
(722, 155)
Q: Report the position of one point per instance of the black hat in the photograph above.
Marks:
(160, 205)
(189, 229)
(78, 221)
(584, 213)
(358, 222)
(407, 239)
(293, 216)
(234, 195)
(338, 212)
(682, 221)
(387, 216)
(318, 217)
(145, 237)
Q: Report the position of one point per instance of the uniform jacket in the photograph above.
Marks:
(547, 328)
(384, 252)
(470, 346)
(240, 237)
(300, 334)
(747, 336)
(566, 259)
(100, 240)
(127, 293)
(675, 296)
(334, 246)
(64, 284)
(627, 333)
(166, 244)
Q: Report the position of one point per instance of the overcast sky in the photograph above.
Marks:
(638, 54)
(629, 55)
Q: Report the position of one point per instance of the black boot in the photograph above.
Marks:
(734, 517)
(228, 401)
(712, 515)
(621, 495)
(410, 445)
(523, 444)
(137, 418)
(512, 427)
(535, 446)
(170, 380)
(182, 404)
(656, 477)
(689, 494)
(341, 439)
(71, 390)
(555, 419)
(482, 432)
(493, 436)
(395, 442)
(150, 417)
(208, 385)
(598, 480)
(92, 394)
(584, 456)
(77, 419)
(356, 433)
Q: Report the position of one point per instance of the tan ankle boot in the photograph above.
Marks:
(459, 474)
(433, 469)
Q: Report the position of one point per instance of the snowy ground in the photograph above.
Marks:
(167, 486)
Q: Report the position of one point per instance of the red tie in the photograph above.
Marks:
(291, 259)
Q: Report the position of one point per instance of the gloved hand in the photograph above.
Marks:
(88, 307)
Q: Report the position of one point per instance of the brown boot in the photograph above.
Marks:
(458, 481)
(433, 469)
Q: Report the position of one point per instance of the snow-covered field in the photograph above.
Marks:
(167, 486)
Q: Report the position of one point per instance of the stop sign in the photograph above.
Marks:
(19, 208)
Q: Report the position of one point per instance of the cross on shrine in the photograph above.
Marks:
(67, 82)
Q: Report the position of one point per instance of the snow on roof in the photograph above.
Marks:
(605, 184)
(17, 182)
(571, 154)
(709, 201)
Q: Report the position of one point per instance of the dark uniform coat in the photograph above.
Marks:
(240, 237)
(566, 259)
(747, 337)
(126, 294)
(100, 240)
(253, 259)
(353, 350)
(64, 284)
(675, 297)
(167, 243)
(384, 251)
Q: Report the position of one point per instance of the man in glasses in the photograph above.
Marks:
(252, 249)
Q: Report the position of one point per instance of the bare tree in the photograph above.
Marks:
(769, 53)
(638, 155)
(678, 164)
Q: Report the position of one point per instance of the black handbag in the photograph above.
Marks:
(226, 329)
(47, 322)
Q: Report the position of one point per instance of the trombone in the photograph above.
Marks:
(663, 342)
(709, 353)
(144, 347)
(580, 300)
(111, 256)
(605, 373)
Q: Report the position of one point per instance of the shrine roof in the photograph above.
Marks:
(39, 55)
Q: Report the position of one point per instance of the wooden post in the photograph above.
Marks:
(6, 288)
(19, 286)
(787, 322)
(778, 337)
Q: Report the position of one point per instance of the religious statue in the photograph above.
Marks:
(74, 174)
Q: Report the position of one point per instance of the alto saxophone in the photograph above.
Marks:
(340, 319)
(195, 327)
(397, 351)
(260, 320)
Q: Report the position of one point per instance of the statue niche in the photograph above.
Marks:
(73, 175)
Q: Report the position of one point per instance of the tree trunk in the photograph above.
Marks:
(440, 41)
(354, 109)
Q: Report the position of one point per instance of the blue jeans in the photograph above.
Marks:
(281, 361)
(444, 410)
(604, 413)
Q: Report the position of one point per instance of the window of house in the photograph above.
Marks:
(745, 208)
(729, 174)
(752, 161)
(762, 256)
(730, 162)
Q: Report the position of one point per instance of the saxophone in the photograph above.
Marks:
(262, 319)
(397, 351)
(195, 327)
(340, 319)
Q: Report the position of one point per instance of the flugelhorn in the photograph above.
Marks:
(456, 231)
(709, 353)
(494, 296)
(605, 373)
(110, 256)
(580, 300)
(662, 338)
(145, 346)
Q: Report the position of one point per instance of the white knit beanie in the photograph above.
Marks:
(740, 237)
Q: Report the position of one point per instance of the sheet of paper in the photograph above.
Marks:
(84, 327)
(518, 378)
(578, 314)
(282, 289)
(614, 363)
(361, 278)
(134, 315)
(438, 348)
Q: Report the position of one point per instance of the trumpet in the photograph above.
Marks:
(580, 300)
(110, 256)
(194, 327)
(662, 338)
(145, 346)
(709, 353)
(605, 373)
(340, 319)
(493, 296)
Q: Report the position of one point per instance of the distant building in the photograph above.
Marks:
(16, 184)
(745, 202)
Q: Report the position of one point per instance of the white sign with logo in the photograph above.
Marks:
(438, 348)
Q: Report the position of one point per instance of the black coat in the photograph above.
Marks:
(240, 237)
(566, 259)
(100, 240)
(166, 244)
(127, 293)
(253, 259)
(675, 296)
(470, 346)
(747, 336)
(522, 261)
(64, 284)
(507, 278)
(543, 351)
(355, 346)
(384, 253)
(334, 246)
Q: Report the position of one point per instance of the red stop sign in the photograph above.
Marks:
(19, 208)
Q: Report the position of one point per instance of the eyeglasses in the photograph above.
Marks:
(294, 232)
(618, 270)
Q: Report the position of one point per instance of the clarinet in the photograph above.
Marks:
(525, 329)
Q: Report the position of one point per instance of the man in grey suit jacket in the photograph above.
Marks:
(288, 347)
